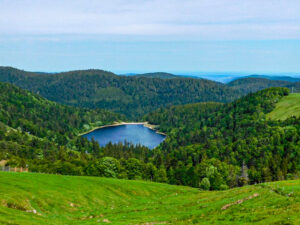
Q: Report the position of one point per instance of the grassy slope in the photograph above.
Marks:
(286, 107)
(90, 200)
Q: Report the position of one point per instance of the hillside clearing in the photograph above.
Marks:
(288, 106)
(28, 198)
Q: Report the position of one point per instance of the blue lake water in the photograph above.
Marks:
(133, 133)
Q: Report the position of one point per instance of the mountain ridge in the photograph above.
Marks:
(129, 95)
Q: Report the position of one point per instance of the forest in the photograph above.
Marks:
(237, 133)
(135, 95)
(132, 96)
(255, 83)
(212, 146)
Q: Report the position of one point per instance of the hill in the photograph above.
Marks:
(135, 95)
(161, 75)
(236, 136)
(40, 117)
(209, 145)
(283, 78)
(129, 95)
(252, 84)
(48, 199)
(288, 106)
(164, 75)
(179, 116)
(43, 135)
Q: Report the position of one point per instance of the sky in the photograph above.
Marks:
(246, 36)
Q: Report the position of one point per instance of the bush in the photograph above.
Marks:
(223, 187)
(205, 184)
(108, 167)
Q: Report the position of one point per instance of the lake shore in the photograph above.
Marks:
(153, 127)
(146, 124)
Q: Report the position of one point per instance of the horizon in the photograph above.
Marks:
(178, 73)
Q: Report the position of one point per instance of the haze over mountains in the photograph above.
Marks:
(224, 77)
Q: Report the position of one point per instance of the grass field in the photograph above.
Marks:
(286, 107)
(53, 199)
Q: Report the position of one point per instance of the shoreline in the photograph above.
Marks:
(152, 127)
(115, 124)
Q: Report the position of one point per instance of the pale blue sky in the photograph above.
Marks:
(149, 35)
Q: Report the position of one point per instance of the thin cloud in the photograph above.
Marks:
(191, 19)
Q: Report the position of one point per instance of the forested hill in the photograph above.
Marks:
(253, 84)
(133, 96)
(161, 75)
(284, 78)
(209, 145)
(44, 137)
(129, 95)
(164, 75)
(237, 133)
(42, 118)
(181, 116)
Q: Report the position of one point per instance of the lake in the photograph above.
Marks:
(133, 133)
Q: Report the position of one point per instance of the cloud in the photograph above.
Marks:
(190, 19)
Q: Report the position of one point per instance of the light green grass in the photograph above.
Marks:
(90, 200)
(288, 106)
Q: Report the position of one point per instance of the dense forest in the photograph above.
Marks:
(209, 145)
(157, 75)
(135, 95)
(42, 118)
(237, 134)
(252, 84)
(270, 77)
(43, 135)
(132, 96)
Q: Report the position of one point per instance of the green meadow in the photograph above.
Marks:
(286, 107)
(29, 199)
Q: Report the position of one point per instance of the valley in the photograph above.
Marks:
(224, 159)
(149, 112)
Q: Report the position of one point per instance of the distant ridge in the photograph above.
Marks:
(284, 78)
(164, 75)
(220, 78)
(253, 84)
(133, 96)
(161, 75)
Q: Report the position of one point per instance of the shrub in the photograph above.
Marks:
(205, 184)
